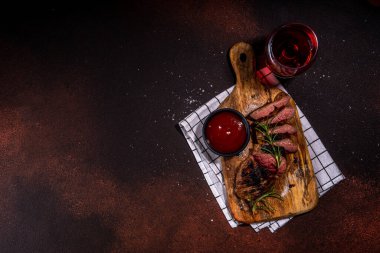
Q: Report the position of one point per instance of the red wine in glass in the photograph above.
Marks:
(291, 49)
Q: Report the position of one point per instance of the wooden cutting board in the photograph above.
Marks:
(297, 185)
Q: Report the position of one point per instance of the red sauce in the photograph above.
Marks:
(226, 132)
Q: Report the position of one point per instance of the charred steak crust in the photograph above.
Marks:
(252, 181)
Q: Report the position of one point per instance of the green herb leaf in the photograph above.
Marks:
(261, 203)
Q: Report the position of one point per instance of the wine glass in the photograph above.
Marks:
(291, 49)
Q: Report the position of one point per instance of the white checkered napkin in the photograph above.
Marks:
(326, 171)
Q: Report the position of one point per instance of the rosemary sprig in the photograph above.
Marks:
(269, 138)
(261, 203)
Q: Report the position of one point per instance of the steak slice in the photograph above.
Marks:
(287, 144)
(269, 162)
(266, 110)
(285, 114)
(283, 129)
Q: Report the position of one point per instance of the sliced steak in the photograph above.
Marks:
(269, 162)
(283, 129)
(285, 114)
(266, 110)
(281, 100)
(287, 144)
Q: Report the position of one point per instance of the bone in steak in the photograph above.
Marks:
(284, 114)
(283, 129)
(287, 144)
(266, 110)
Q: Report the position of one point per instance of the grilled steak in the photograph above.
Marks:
(269, 162)
(285, 114)
(271, 129)
(252, 181)
(287, 144)
(266, 110)
(283, 129)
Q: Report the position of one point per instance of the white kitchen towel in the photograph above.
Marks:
(326, 171)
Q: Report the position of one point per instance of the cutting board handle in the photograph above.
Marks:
(243, 62)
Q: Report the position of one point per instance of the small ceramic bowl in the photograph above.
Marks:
(226, 132)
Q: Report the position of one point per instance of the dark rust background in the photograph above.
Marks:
(91, 161)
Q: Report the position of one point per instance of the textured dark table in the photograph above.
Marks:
(91, 161)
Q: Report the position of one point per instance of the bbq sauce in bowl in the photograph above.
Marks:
(226, 132)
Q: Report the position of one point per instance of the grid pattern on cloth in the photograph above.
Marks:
(326, 171)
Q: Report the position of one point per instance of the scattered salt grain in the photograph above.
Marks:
(190, 100)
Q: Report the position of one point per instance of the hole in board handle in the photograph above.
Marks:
(243, 57)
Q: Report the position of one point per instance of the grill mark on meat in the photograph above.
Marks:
(252, 181)
(287, 144)
(266, 110)
(283, 129)
(285, 114)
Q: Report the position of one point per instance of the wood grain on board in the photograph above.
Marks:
(297, 185)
